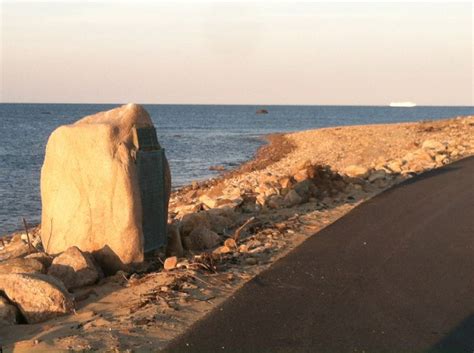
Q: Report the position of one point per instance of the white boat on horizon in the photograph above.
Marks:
(402, 104)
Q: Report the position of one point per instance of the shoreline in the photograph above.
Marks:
(276, 147)
(296, 185)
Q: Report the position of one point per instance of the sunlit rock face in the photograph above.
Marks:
(90, 188)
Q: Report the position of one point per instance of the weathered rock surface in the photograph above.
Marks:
(22, 265)
(174, 247)
(356, 171)
(433, 145)
(42, 257)
(8, 313)
(74, 268)
(305, 189)
(192, 221)
(292, 199)
(14, 249)
(89, 188)
(201, 238)
(377, 175)
(39, 297)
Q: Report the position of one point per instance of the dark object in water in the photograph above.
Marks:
(262, 111)
(219, 168)
(46, 113)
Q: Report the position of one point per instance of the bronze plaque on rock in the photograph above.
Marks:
(150, 161)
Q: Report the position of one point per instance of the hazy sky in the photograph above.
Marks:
(252, 52)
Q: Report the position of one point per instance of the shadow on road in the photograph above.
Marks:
(460, 339)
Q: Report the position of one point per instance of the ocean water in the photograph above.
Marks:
(195, 137)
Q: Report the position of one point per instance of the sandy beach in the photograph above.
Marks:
(226, 230)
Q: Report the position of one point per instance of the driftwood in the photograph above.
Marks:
(28, 236)
(239, 230)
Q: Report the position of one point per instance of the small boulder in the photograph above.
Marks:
(15, 249)
(441, 159)
(208, 201)
(22, 265)
(201, 238)
(9, 313)
(75, 268)
(39, 297)
(434, 146)
(356, 171)
(292, 198)
(42, 257)
(249, 204)
(275, 202)
(418, 161)
(377, 175)
(305, 189)
(192, 221)
(394, 166)
(219, 223)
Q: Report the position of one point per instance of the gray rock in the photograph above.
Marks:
(39, 297)
(9, 313)
(305, 189)
(292, 198)
(201, 238)
(248, 204)
(174, 247)
(275, 201)
(377, 175)
(75, 268)
(192, 221)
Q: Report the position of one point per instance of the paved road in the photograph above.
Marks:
(394, 275)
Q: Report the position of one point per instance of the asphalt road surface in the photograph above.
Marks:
(396, 274)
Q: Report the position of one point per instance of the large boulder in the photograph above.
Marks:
(75, 268)
(39, 297)
(90, 188)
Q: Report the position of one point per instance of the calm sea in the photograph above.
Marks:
(195, 137)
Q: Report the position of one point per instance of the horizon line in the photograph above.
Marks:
(241, 104)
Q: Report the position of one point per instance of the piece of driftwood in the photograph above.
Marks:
(239, 230)
(28, 236)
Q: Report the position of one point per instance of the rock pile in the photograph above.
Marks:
(34, 286)
(278, 188)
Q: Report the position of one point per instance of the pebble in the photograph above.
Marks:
(230, 243)
(243, 248)
(170, 263)
(222, 250)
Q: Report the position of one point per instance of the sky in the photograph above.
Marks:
(236, 53)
